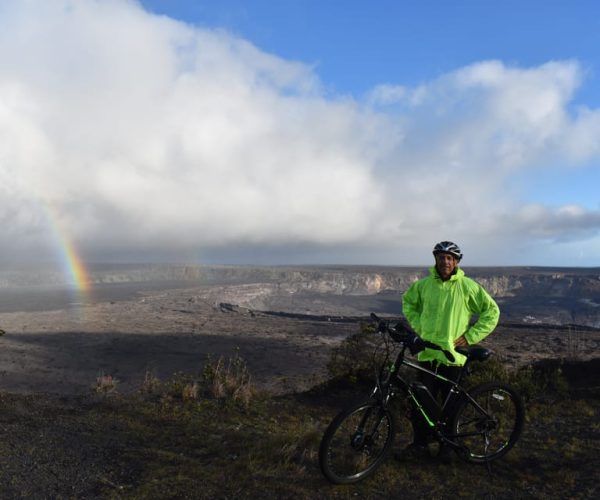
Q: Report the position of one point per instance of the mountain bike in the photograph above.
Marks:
(480, 424)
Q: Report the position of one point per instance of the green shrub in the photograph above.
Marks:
(532, 381)
(355, 358)
(491, 369)
(541, 379)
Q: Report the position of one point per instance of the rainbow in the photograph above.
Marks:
(72, 265)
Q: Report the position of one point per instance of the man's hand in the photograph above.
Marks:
(461, 341)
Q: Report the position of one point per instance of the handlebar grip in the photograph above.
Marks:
(403, 332)
(449, 356)
(430, 345)
(382, 326)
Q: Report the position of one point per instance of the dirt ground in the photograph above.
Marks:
(65, 351)
(61, 441)
(172, 331)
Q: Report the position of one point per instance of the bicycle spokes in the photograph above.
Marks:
(358, 442)
(488, 423)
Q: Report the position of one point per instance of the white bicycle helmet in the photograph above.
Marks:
(448, 247)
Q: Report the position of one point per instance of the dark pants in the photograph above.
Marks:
(438, 388)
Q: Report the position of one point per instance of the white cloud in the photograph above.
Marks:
(466, 133)
(143, 132)
(140, 135)
(386, 94)
(560, 224)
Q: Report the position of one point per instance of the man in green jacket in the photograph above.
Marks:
(439, 308)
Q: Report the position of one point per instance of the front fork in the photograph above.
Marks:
(384, 390)
(363, 439)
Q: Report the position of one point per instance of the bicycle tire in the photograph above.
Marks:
(356, 442)
(487, 437)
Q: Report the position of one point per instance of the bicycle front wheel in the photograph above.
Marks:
(488, 425)
(356, 443)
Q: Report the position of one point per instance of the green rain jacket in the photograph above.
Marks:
(440, 311)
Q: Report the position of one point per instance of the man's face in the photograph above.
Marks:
(445, 264)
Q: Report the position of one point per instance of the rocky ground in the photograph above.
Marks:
(164, 332)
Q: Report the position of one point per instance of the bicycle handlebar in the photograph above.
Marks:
(408, 337)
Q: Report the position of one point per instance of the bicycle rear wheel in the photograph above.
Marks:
(490, 424)
(356, 443)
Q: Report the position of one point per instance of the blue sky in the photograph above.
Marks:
(300, 132)
(355, 45)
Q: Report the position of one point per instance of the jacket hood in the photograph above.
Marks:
(458, 274)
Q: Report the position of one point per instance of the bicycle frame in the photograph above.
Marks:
(385, 390)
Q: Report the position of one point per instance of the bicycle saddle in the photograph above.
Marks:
(474, 353)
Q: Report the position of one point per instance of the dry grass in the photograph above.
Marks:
(128, 446)
(105, 384)
(190, 392)
(151, 383)
(577, 343)
(229, 378)
(225, 379)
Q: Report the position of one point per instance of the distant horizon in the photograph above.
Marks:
(93, 266)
